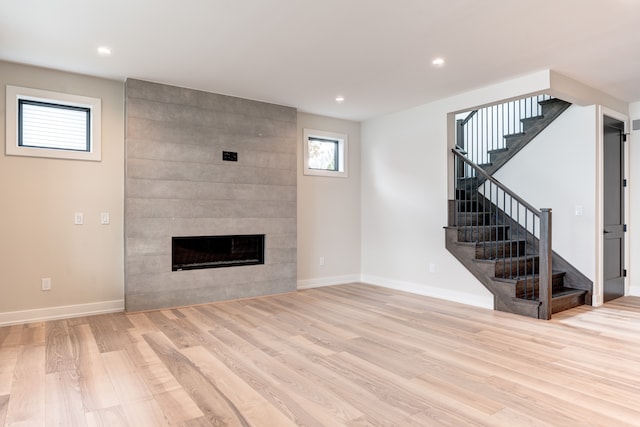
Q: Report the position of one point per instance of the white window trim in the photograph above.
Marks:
(15, 93)
(343, 147)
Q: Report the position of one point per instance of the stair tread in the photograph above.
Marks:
(552, 101)
(532, 118)
(524, 258)
(485, 226)
(558, 295)
(528, 277)
(568, 292)
(514, 135)
(498, 150)
(503, 241)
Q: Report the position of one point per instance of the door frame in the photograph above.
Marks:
(598, 286)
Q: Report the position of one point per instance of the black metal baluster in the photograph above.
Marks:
(502, 224)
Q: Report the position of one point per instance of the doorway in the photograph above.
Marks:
(613, 209)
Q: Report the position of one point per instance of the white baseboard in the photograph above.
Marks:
(328, 281)
(431, 291)
(63, 312)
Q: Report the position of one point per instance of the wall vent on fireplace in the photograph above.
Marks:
(195, 252)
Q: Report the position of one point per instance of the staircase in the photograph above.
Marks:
(492, 136)
(500, 238)
(531, 127)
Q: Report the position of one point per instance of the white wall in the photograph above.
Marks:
(39, 197)
(634, 203)
(404, 206)
(329, 212)
(557, 170)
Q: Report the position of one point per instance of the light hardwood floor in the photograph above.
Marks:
(345, 355)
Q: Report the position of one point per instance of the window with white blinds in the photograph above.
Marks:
(55, 126)
(51, 124)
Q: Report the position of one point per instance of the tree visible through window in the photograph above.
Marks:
(325, 153)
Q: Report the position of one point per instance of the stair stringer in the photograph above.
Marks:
(503, 293)
(551, 110)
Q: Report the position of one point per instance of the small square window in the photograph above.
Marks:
(325, 153)
(50, 124)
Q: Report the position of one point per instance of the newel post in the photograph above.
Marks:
(546, 274)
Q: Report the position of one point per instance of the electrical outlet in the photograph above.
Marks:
(321, 261)
(46, 284)
(432, 268)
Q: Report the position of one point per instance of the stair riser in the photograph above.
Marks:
(565, 303)
(469, 206)
(495, 157)
(492, 250)
(467, 184)
(554, 106)
(525, 290)
(531, 123)
(481, 234)
(473, 218)
(517, 268)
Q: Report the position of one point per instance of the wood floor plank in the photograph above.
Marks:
(58, 347)
(96, 388)
(4, 405)
(255, 408)
(174, 328)
(126, 381)
(33, 334)
(107, 334)
(178, 407)
(113, 416)
(27, 402)
(350, 355)
(8, 359)
(216, 406)
(312, 365)
(153, 372)
(275, 393)
(144, 413)
(63, 402)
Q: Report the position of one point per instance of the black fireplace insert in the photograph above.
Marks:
(194, 252)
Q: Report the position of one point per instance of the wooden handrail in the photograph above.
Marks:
(469, 117)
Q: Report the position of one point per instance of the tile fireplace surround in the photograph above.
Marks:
(178, 185)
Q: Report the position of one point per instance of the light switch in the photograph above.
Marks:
(78, 218)
(104, 218)
(578, 210)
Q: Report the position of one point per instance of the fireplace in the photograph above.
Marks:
(196, 252)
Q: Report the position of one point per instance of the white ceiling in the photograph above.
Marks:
(302, 53)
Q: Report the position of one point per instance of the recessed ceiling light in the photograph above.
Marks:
(104, 51)
(438, 62)
(339, 99)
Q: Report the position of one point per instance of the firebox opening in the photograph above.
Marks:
(189, 253)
